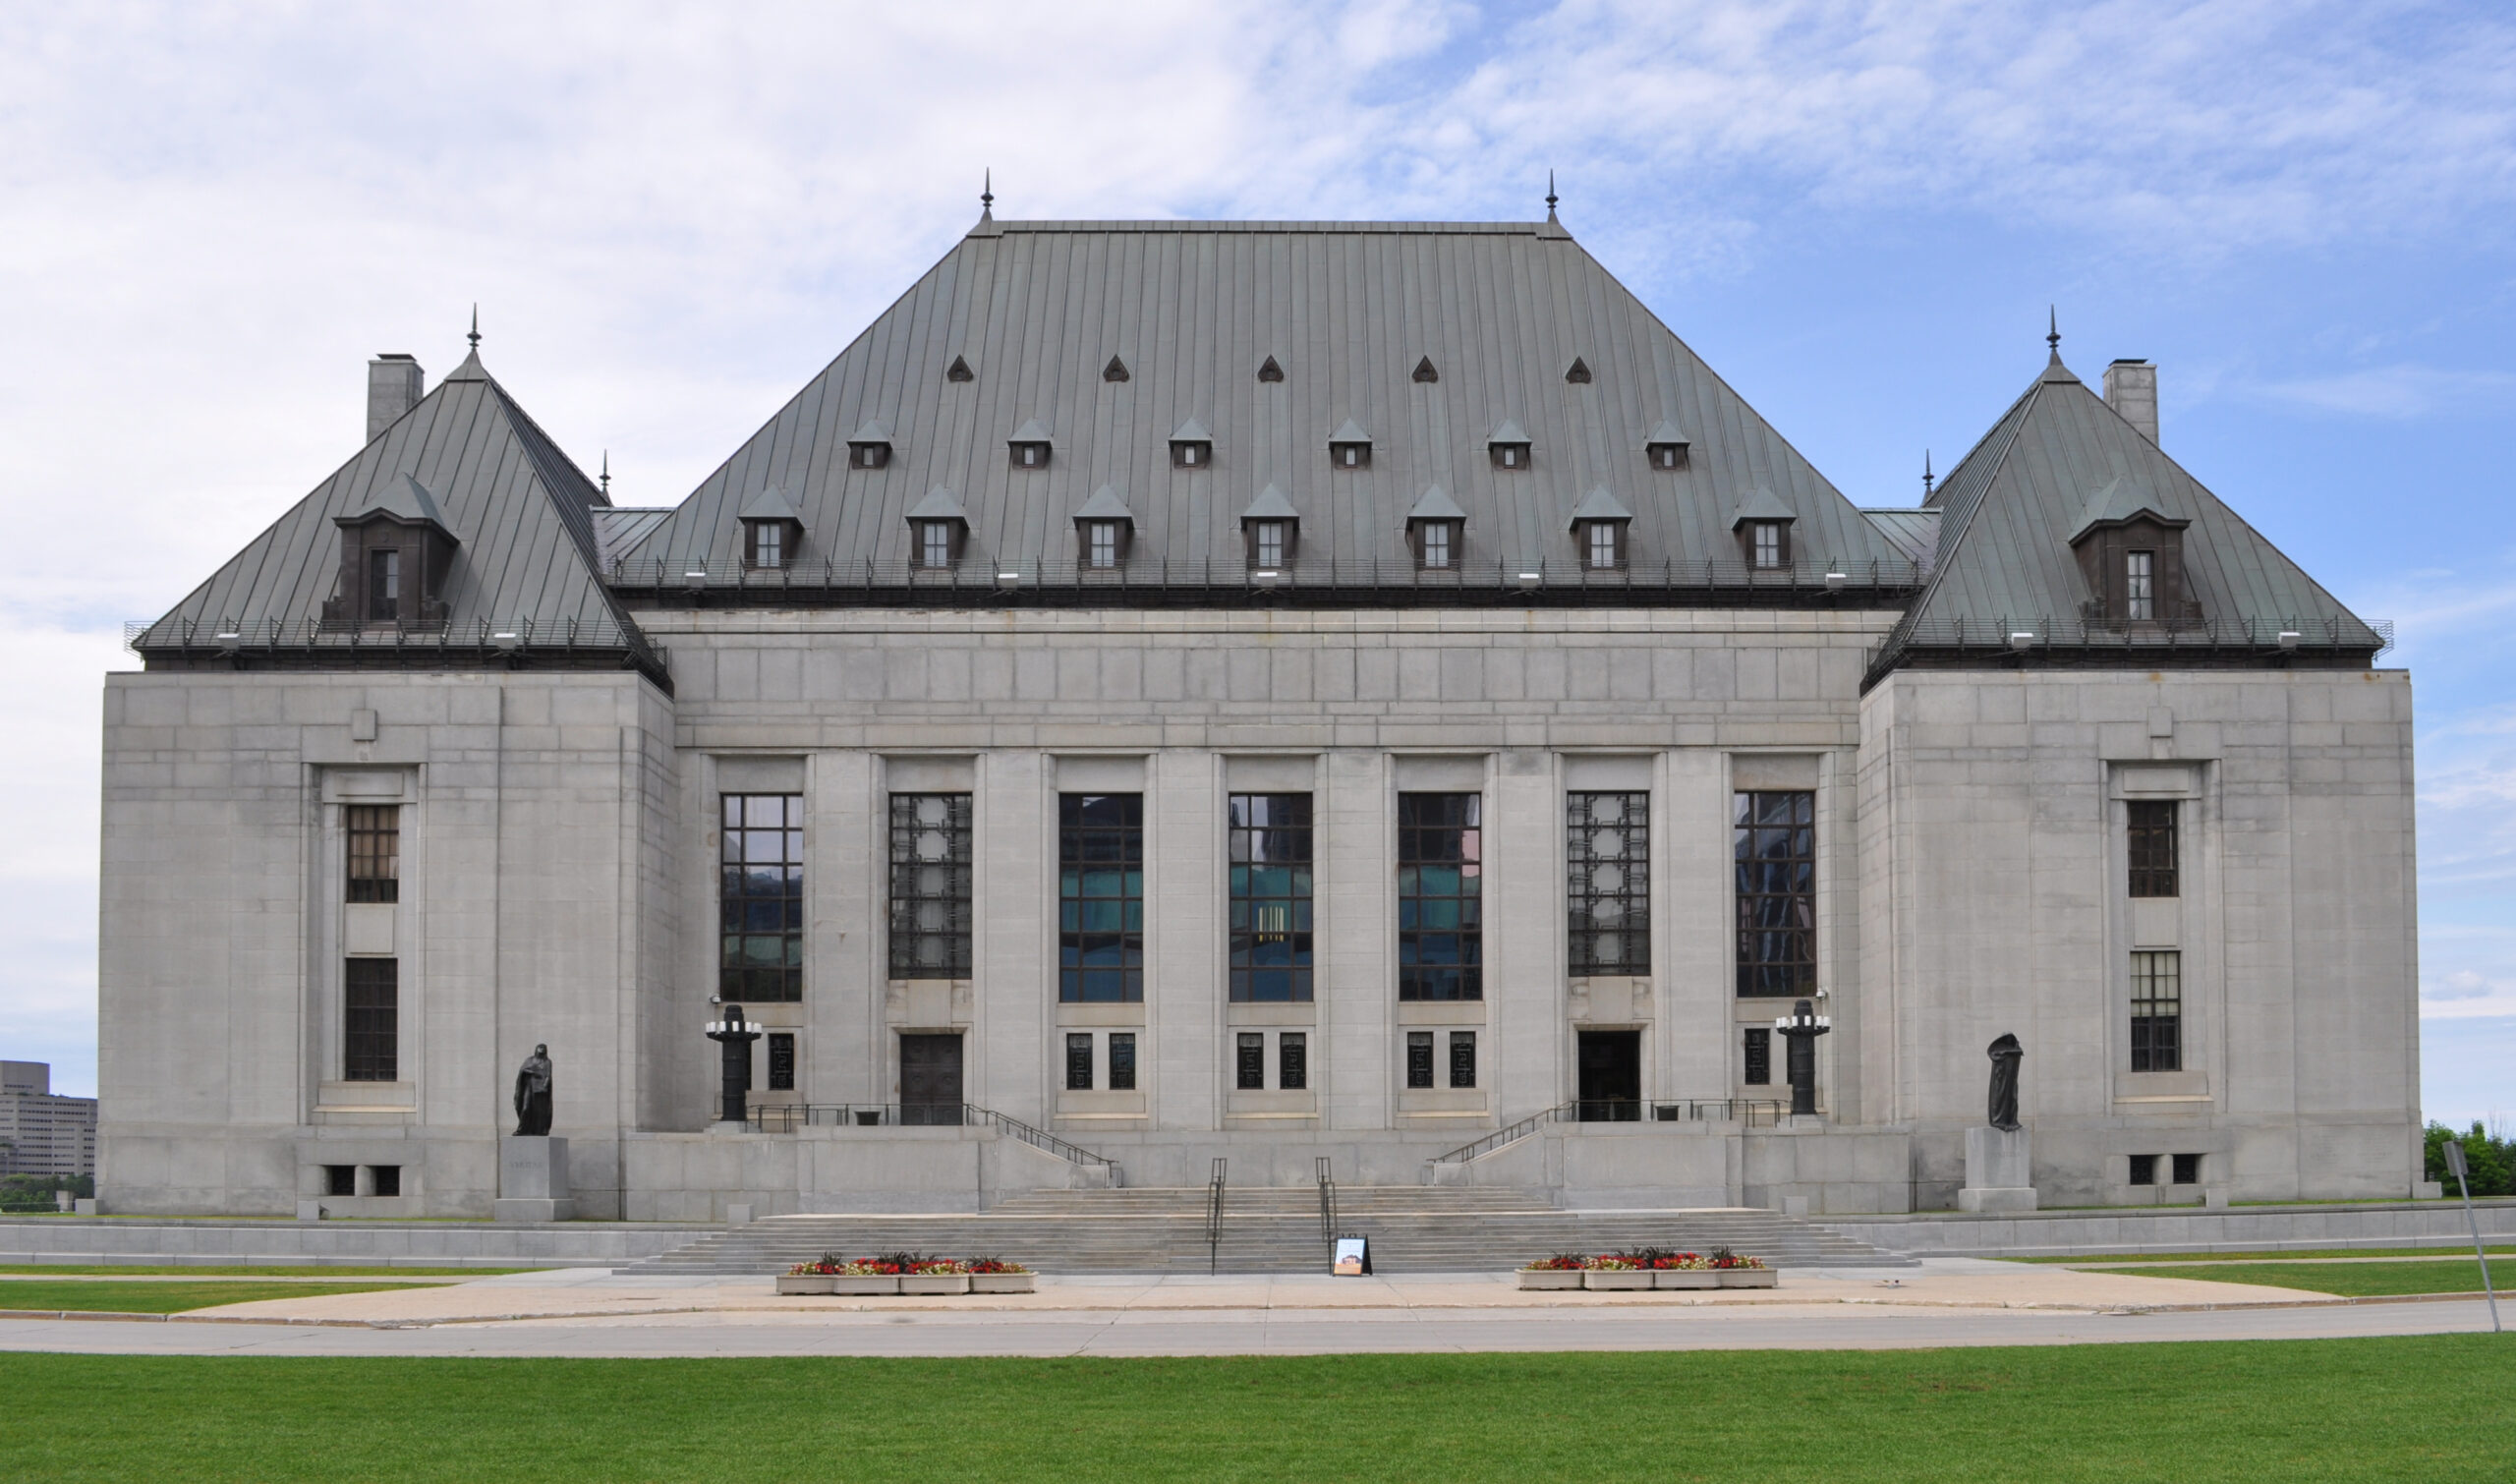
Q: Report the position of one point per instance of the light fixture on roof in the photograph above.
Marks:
(1008, 581)
(2289, 639)
(506, 641)
(1529, 581)
(1266, 577)
(2022, 640)
(1835, 581)
(230, 641)
(696, 577)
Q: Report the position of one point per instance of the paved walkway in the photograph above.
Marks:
(1951, 1302)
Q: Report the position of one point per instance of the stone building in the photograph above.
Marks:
(1170, 690)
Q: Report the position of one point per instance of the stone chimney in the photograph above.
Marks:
(393, 388)
(2132, 389)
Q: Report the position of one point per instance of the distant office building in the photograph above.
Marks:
(41, 1133)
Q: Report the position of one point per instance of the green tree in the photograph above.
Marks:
(2490, 1163)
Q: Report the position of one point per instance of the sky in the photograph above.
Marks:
(671, 216)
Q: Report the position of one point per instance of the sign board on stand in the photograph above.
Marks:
(1354, 1257)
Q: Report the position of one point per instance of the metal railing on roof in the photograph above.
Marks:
(488, 641)
(1309, 580)
(2046, 637)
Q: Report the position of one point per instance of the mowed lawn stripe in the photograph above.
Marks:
(109, 1297)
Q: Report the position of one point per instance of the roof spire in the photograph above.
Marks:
(1550, 194)
(475, 336)
(987, 192)
(1925, 474)
(2053, 333)
(606, 474)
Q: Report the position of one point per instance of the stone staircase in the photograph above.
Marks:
(1413, 1228)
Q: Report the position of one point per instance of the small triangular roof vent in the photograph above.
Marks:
(1268, 371)
(1435, 504)
(959, 370)
(1598, 505)
(1424, 370)
(939, 504)
(1761, 504)
(1116, 371)
(1105, 505)
(1579, 373)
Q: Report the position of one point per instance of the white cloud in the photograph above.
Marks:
(2400, 393)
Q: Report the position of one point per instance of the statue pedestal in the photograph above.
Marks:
(533, 1181)
(1997, 1176)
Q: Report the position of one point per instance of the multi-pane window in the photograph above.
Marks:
(1440, 919)
(931, 892)
(1269, 541)
(767, 543)
(782, 1061)
(762, 927)
(1123, 1061)
(2139, 584)
(1433, 544)
(1101, 543)
(1271, 879)
(2158, 1011)
(1463, 1058)
(1774, 843)
(1078, 1061)
(370, 995)
(384, 585)
(1292, 1061)
(1250, 1065)
(1100, 897)
(1607, 893)
(1759, 1057)
(2150, 833)
(935, 543)
(1765, 538)
(1606, 543)
(1419, 1058)
(375, 852)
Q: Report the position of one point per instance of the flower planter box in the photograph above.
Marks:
(1685, 1278)
(935, 1282)
(1003, 1283)
(871, 1282)
(1551, 1278)
(1747, 1277)
(806, 1283)
(1610, 1277)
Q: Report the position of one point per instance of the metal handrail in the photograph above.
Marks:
(1327, 1199)
(1752, 1112)
(786, 1117)
(1213, 1212)
(1041, 1138)
(1507, 1135)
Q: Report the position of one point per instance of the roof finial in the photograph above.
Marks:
(475, 336)
(2054, 332)
(987, 192)
(1550, 195)
(606, 474)
(1925, 474)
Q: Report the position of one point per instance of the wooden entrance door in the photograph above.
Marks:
(930, 1079)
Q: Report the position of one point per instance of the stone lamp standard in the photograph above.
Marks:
(735, 1035)
(1800, 1031)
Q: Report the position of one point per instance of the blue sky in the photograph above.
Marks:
(209, 217)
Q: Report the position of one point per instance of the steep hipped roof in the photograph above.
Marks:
(522, 512)
(2057, 459)
(1346, 310)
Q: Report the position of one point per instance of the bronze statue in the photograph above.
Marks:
(532, 1095)
(2006, 1054)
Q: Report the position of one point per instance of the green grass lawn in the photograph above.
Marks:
(165, 1298)
(147, 1270)
(2303, 1410)
(2126, 1258)
(2353, 1280)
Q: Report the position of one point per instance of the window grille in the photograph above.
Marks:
(375, 852)
(2187, 1170)
(340, 1180)
(1252, 1060)
(1078, 1061)
(1292, 1061)
(2157, 1013)
(371, 992)
(1463, 1058)
(930, 885)
(1419, 1058)
(2145, 1170)
(1773, 840)
(2139, 589)
(782, 1061)
(387, 1178)
(1101, 897)
(1759, 1057)
(1607, 856)
(2150, 834)
(1123, 1061)
(761, 899)
(1271, 896)
(1440, 918)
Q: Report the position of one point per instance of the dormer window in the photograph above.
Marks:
(396, 552)
(937, 529)
(2140, 586)
(1437, 544)
(1269, 541)
(1191, 446)
(1028, 449)
(1599, 523)
(935, 540)
(1102, 542)
(773, 529)
(1508, 448)
(1602, 545)
(1270, 527)
(1102, 529)
(1768, 543)
(765, 544)
(870, 446)
(2130, 556)
(1666, 448)
(1349, 447)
